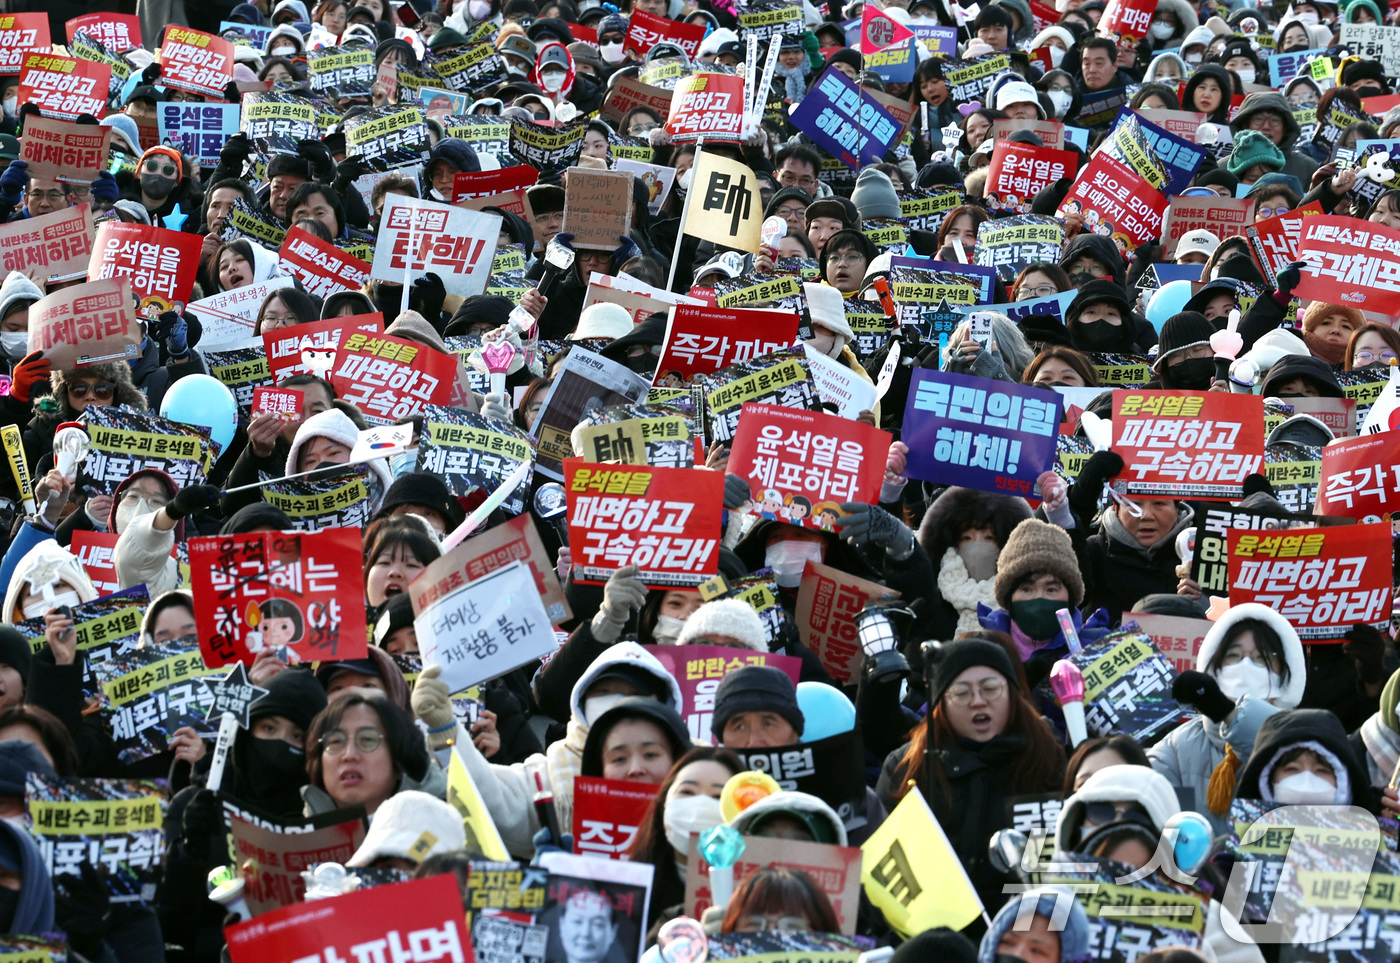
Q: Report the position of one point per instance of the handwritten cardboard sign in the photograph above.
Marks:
(598, 208)
(85, 324)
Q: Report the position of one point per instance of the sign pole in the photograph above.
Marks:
(685, 212)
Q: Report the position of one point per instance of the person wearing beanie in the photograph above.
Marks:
(846, 60)
(1100, 319)
(874, 195)
(159, 175)
(1219, 180)
(602, 320)
(728, 622)
(756, 706)
(30, 906)
(1328, 327)
(393, 630)
(446, 41)
(1366, 77)
(827, 216)
(425, 494)
(1254, 155)
(409, 827)
(1216, 299)
(15, 656)
(789, 203)
(1185, 360)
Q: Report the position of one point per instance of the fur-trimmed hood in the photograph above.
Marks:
(117, 372)
(69, 570)
(1315, 729)
(958, 509)
(1292, 692)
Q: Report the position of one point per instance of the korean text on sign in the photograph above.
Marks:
(1188, 444)
(704, 339)
(851, 127)
(1350, 262)
(666, 521)
(389, 378)
(706, 105)
(1360, 477)
(63, 87)
(1323, 581)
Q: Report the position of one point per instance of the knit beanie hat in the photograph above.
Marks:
(397, 614)
(1098, 291)
(1318, 310)
(170, 154)
(955, 658)
(425, 489)
(1253, 147)
(728, 617)
(1036, 546)
(284, 163)
(847, 56)
(15, 651)
(755, 688)
(1390, 698)
(874, 195)
(840, 208)
(1182, 331)
(293, 694)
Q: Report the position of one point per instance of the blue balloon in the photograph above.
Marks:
(1170, 299)
(204, 402)
(825, 710)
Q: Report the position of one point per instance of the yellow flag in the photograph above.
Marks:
(481, 831)
(725, 205)
(911, 873)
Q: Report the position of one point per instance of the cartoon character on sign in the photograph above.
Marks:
(772, 505)
(275, 624)
(799, 509)
(827, 513)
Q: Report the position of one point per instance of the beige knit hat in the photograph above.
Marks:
(1036, 546)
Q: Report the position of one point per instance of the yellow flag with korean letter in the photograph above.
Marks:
(912, 875)
(725, 205)
(481, 831)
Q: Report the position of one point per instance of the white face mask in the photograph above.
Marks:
(1308, 17)
(593, 708)
(15, 344)
(1192, 60)
(1305, 789)
(479, 9)
(1161, 30)
(1057, 56)
(788, 558)
(127, 512)
(284, 52)
(667, 629)
(1246, 75)
(553, 81)
(1061, 99)
(11, 105)
(1247, 678)
(686, 815)
(37, 608)
(611, 52)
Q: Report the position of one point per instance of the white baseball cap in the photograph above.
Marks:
(411, 825)
(1199, 241)
(1019, 92)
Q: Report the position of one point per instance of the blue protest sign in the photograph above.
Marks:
(939, 40)
(1286, 66)
(1053, 305)
(198, 130)
(1182, 157)
(985, 276)
(849, 126)
(993, 436)
(1077, 136)
(247, 33)
(895, 64)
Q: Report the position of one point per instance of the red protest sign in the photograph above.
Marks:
(800, 464)
(702, 339)
(1274, 240)
(58, 244)
(1187, 444)
(160, 263)
(878, 31)
(97, 551)
(322, 268)
(1107, 193)
(60, 150)
(666, 521)
(1222, 216)
(1019, 171)
(630, 92)
(85, 324)
(285, 403)
(645, 30)
(1351, 262)
(1044, 15)
(608, 813)
(1360, 477)
(486, 183)
(706, 105)
(698, 670)
(196, 61)
(63, 87)
(118, 32)
(21, 34)
(1322, 580)
(284, 346)
(420, 920)
(1127, 19)
(390, 378)
(827, 602)
(298, 593)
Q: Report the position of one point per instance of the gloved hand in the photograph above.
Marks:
(204, 819)
(1202, 691)
(236, 151)
(192, 498)
(627, 249)
(1054, 498)
(493, 407)
(178, 341)
(736, 492)
(13, 183)
(622, 593)
(1084, 493)
(812, 47)
(82, 908)
(104, 188)
(432, 702)
(347, 171)
(1288, 279)
(426, 296)
(231, 92)
(322, 164)
(545, 843)
(31, 370)
(151, 74)
(866, 525)
(1366, 647)
(892, 486)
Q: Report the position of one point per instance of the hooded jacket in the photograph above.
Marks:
(1315, 729)
(1118, 570)
(806, 806)
(45, 551)
(34, 911)
(412, 326)
(1023, 10)
(143, 553)
(1115, 784)
(1292, 366)
(1298, 164)
(1186, 22)
(954, 607)
(336, 425)
(458, 153)
(289, 33)
(1101, 249)
(1074, 936)
(1151, 74)
(16, 290)
(1221, 114)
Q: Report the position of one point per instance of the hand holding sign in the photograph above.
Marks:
(233, 697)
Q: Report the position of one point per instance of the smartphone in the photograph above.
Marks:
(980, 327)
(67, 612)
(408, 15)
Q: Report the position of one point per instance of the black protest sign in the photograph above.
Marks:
(832, 769)
(549, 150)
(470, 452)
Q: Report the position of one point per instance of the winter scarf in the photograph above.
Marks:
(794, 80)
(961, 592)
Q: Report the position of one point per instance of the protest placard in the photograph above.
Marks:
(281, 853)
(1284, 67)
(418, 236)
(1360, 477)
(1351, 262)
(501, 898)
(199, 130)
(489, 183)
(1209, 561)
(800, 465)
(666, 521)
(1323, 581)
(87, 48)
(1116, 201)
(1339, 116)
(117, 31)
(230, 317)
(193, 60)
(598, 208)
(277, 120)
(161, 263)
(472, 70)
(387, 137)
(83, 324)
(421, 918)
(782, 378)
(835, 870)
(629, 92)
(826, 768)
(607, 815)
(242, 371)
(340, 502)
(852, 128)
(1187, 444)
(828, 600)
(549, 150)
(321, 267)
(1012, 244)
(1128, 920)
(114, 824)
(1274, 240)
(585, 380)
(485, 628)
(698, 670)
(283, 403)
(106, 629)
(152, 691)
(284, 347)
(470, 452)
(730, 208)
(58, 244)
(1223, 216)
(390, 378)
(96, 551)
(1020, 171)
(645, 30)
(989, 435)
(341, 71)
(1126, 19)
(1127, 686)
(618, 892)
(20, 35)
(300, 594)
(703, 339)
(60, 150)
(63, 87)
(705, 105)
(637, 435)
(1374, 41)
(1177, 638)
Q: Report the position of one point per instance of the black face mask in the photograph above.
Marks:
(1081, 278)
(643, 364)
(1193, 374)
(276, 760)
(1098, 335)
(156, 186)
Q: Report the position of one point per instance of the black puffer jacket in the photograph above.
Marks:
(1118, 571)
(1296, 727)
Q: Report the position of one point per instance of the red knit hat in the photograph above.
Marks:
(168, 152)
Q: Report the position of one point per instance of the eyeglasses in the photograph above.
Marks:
(279, 319)
(841, 260)
(961, 694)
(757, 924)
(1039, 291)
(1264, 212)
(788, 179)
(131, 496)
(82, 389)
(78, 191)
(367, 740)
(1364, 357)
(643, 129)
(47, 195)
(154, 166)
(786, 212)
(1262, 120)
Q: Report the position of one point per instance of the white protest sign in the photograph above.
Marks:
(486, 628)
(456, 244)
(229, 317)
(839, 385)
(657, 178)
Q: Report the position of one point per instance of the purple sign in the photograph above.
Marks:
(845, 123)
(1052, 305)
(984, 277)
(1182, 157)
(993, 436)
